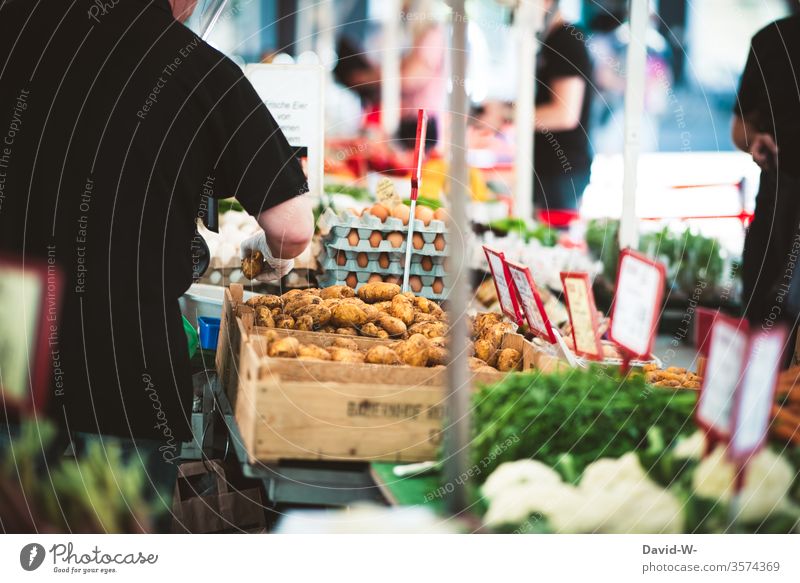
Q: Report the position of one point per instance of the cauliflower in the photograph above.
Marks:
(692, 447)
(766, 486)
(609, 473)
(516, 473)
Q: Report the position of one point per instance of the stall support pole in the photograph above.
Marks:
(305, 19)
(390, 67)
(634, 108)
(528, 21)
(457, 426)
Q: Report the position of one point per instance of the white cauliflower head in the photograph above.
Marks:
(516, 473)
(692, 447)
(611, 473)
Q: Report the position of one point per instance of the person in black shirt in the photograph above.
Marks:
(766, 124)
(116, 119)
(562, 154)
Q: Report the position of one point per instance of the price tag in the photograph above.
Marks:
(28, 297)
(502, 283)
(640, 286)
(728, 348)
(756, 393)
(385, 192)
(530, 301)
(582, 314)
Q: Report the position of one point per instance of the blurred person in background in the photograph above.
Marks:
(562, 153)
(122, 119)
(766, 124)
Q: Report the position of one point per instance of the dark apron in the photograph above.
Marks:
(768, 249)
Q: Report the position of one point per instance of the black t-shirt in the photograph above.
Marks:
(563, 54)
(115, 120)
(769, 91)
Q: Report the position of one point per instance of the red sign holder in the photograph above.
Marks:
(637, 301)
(32, 396)
(503, 284)
(530, 300)
(416, 170)
(585, 313)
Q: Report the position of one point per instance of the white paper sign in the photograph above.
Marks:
(725, 359)
(636, 303)
(294, 95)
(531, 304)
(756, 393)
(498, 268)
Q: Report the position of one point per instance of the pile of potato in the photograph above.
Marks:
(378, 310)
(672, 377)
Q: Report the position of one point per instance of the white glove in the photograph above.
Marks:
(275, 268)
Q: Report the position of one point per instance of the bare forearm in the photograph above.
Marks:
(554, 118)
(740, 130)
(288, 227)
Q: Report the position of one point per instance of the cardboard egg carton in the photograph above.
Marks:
(333, 260)
(362, 277)
(365, 246)
(340, 225)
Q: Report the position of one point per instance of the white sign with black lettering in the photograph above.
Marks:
(294, 95)
(640, 285)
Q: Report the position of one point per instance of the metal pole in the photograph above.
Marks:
(390, 67)
(457, 426)
(528, 21)
(634, 108)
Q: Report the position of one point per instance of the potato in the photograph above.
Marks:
(494, 334)
(415, 351)
(320, 314)
(263, 317)
(423, 304)
(439, 341)
(382, 355)
(393, 326)
(345, 355)
(284, 321)
(253, 264)
(304, 323)
(293, 306)
(378, 292)
(373, 331)
(403, 309)
(475, 363)
(371, 312)
(437, 355)
(293, 294)
(429, 329)
(485, 320)
(424, 317)
(347, 331)
(284, 348)
(348, 315)
(313, 352)
(486, 351)
(328, 329)
(345, 343)
(272, 302)
(337, 292)
(486, 369)
(331, 303)
(383, 306)
(509, 359)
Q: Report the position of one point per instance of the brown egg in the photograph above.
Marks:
(374, 277)
(362, 259)
(375, 239)
(380, 211)
(415, 283)
(417, 241)
(392, 279)
(383, 260)
(439, 243)
(351, 281)
(424, 214)
(352, 238)
(341, 258)
(440, 214)
(438, 285)
(402, 212)
(355, 212)
(396, 239)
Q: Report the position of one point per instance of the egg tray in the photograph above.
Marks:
(364, 246)
(341, 224)
(351, 266)
(329, 280)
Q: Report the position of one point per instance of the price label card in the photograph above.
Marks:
(728, 348)
(530, 301)
(506, 294)
(28, 297)
(582, 314)
(756, 393)
(637, 302)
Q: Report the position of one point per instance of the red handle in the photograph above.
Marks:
(419, 151)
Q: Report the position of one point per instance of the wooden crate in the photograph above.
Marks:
(291, 409)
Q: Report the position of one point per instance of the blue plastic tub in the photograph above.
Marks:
(209, 332)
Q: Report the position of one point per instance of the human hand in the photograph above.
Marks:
(182, 9)
(274, 268)
(764, 150)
